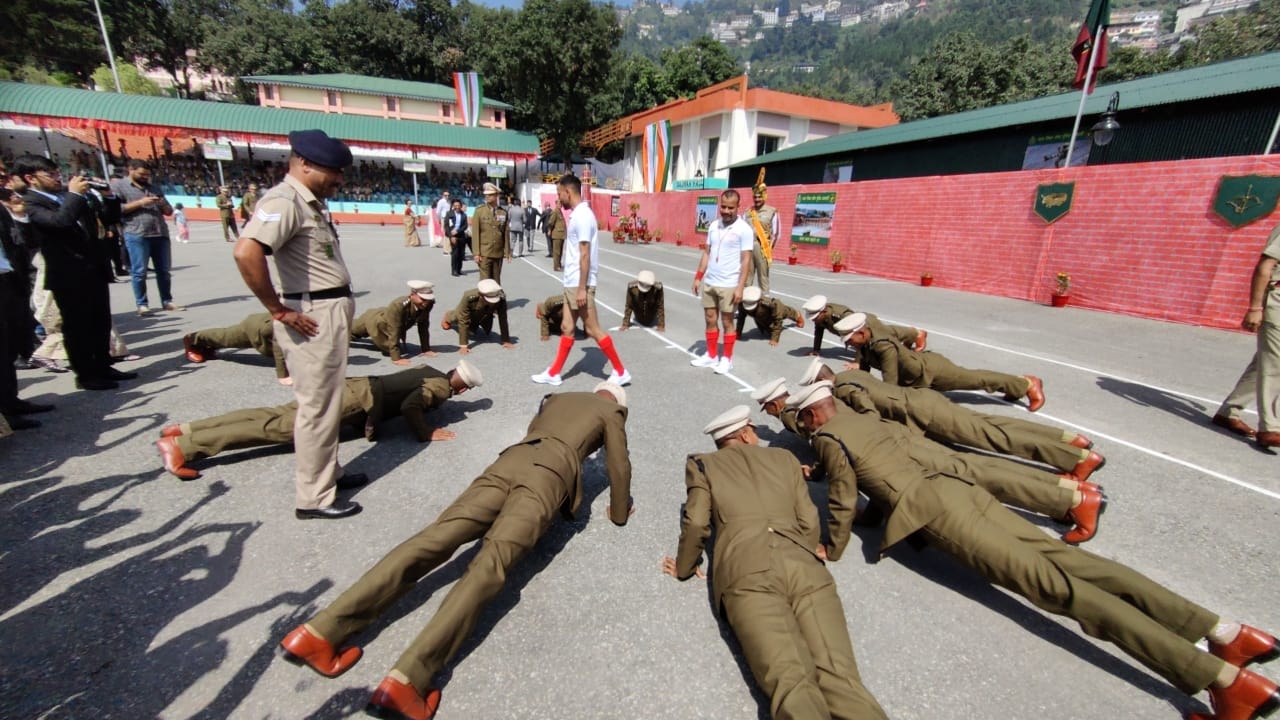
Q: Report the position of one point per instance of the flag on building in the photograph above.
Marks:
(1093, 31)
(470, 91)
(656, 155)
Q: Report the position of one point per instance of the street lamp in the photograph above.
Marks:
(1105, 129)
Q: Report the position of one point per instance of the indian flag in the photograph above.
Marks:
(470, 91)
(657, 155)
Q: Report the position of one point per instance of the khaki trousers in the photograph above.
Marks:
(491, 268)
(759, 268)
(1010, 482)
(1112, 602)
(942, 375)
(237, 430)
(318, 366)
(1260, 381)
(1005, 435)
(557, 254)
(792, 629)
(511, 505)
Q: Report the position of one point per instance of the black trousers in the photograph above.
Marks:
(456, 254)
(11, 329)
(86, 327)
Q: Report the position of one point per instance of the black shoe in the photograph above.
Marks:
(333, 512)
(22, 407)
(22, 363)
(17, 422)
(114, 374)
(96, 384)
(350, 481)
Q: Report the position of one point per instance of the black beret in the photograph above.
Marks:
(319, 148)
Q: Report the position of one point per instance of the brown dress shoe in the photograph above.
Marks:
(171, 431)
(189, 349)
(173, 459)
(1035, 393)
(1088, 466)
(1250, 696)
(1268, 439)
(303, 647)
(394, 699)
(1085, 516)
(1250, 646)
(1081, 442)
(1235, 425)
(922, 339)
(445, 324)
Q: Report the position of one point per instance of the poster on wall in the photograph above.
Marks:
(812, 222)
(615, 206)
(841, 171)
(1050, 151)
(708, 211)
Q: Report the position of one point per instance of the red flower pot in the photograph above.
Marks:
(792, 260)
(926, 280)
(837, 267)
(1060, 300)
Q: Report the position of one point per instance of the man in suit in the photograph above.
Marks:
(769, 313)
(490, 222)
(15, 308)
(824, 316)
(387, 326)
(256, 331)
(476, 310)
(1153, 625)
(530, 223)
(62, 223)
(646, 299)
(455, 228)
(510, 505)
(769, 581)
(366, 403)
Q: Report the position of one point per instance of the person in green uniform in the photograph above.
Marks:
(227, 214)
(824, 316)
(256, 331)
(489, 228)
(927, 369)
(766, 225)
(388, 326)
(1260, 380)
(475, 311)
(1112, 602)
(550, 314)
(769, 582)
(557, 230)
(511, 504)
(646, 300)
(248, 202)
(768, 313)
(366, 403)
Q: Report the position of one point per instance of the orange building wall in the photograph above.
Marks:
(1140, 239)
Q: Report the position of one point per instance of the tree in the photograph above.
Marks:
(173, 31)
(367, 37)
(132, 82)
(263, 37)
(1252, 32)
(697, 65)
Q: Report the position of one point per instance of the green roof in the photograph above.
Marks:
(1260, 72)
(198, 115)
(369, 86)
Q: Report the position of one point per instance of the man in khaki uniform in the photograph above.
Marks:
(554, 226)
(769, 581)
(550, 314)
(646, 300)
(489, 228)
(766, 225)
(927, 369)
(1261, 378)
(366, 402)
(226, 212)
(768, 313)
(313, 319)
(475, 311)
(510, 505)
(249, 203)
(1153, 625)
(824, 316)
(256, 331)
(387, 326)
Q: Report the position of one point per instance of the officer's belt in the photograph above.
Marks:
(326, 294)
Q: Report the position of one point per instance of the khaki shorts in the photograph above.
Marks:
(718, 297)
(571, 299)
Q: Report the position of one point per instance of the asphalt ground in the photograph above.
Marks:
(130, 594)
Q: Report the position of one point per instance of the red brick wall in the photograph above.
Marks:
(1140, 239)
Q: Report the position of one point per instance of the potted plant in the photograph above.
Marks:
(1062, 291)
(926, 279)
(679, 238)
(623, 231)
(837, 261)
(657, 235)
(791, 257)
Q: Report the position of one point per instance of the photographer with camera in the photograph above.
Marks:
(146, 234)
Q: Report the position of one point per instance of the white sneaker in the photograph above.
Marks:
(620, 380)
(143, 311)
(703, 360)
(724, 365)
(546, 378)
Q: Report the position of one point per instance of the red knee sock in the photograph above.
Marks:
(729, 340)
(562, 354)
(606, 347)
(713, 339)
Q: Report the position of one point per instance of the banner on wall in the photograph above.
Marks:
(1054, 200)
(656, 155)
(813, 217)
(1241, 199)
(708, 209)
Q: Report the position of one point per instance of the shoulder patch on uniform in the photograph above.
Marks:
(266, 217)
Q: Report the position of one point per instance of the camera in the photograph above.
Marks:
(98, 184)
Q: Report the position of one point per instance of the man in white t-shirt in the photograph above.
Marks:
(580, 260)
(725, 260)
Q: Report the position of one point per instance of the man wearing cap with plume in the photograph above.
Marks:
(769, 314)
(1110, 601)
(366, 402)
(475, 311)
(489, 228)
(388, 326)
(510, 505)
(769, 581)
(645, 298)
(765, 223)
(824, 316)
(313, 314)
(256, 331)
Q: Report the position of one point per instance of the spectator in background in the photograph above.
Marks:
(180, 219)
(226, 211)
(530, 223)
(515, 229)
(146, 234)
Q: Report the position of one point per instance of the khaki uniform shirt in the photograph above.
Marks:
(556, 228)
(388, 326)
(473, 311)
(293, 225)
(769, 314)
(410, 393)
(552, 314)
(247, 205)
(649, 307)
(489, 228)
(226, 206)
(581, 423)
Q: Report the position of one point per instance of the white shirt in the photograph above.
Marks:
(582, 229)
(726, 245)
(442, 208)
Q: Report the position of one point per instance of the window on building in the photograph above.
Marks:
(713, 147)
(445, 110)
(391, 104)
(331, 98)
(766, 144)
(675, 161)
(269, 92)
(497, 116)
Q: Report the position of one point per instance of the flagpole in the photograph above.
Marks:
(1271, 142)
(1084, 91)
